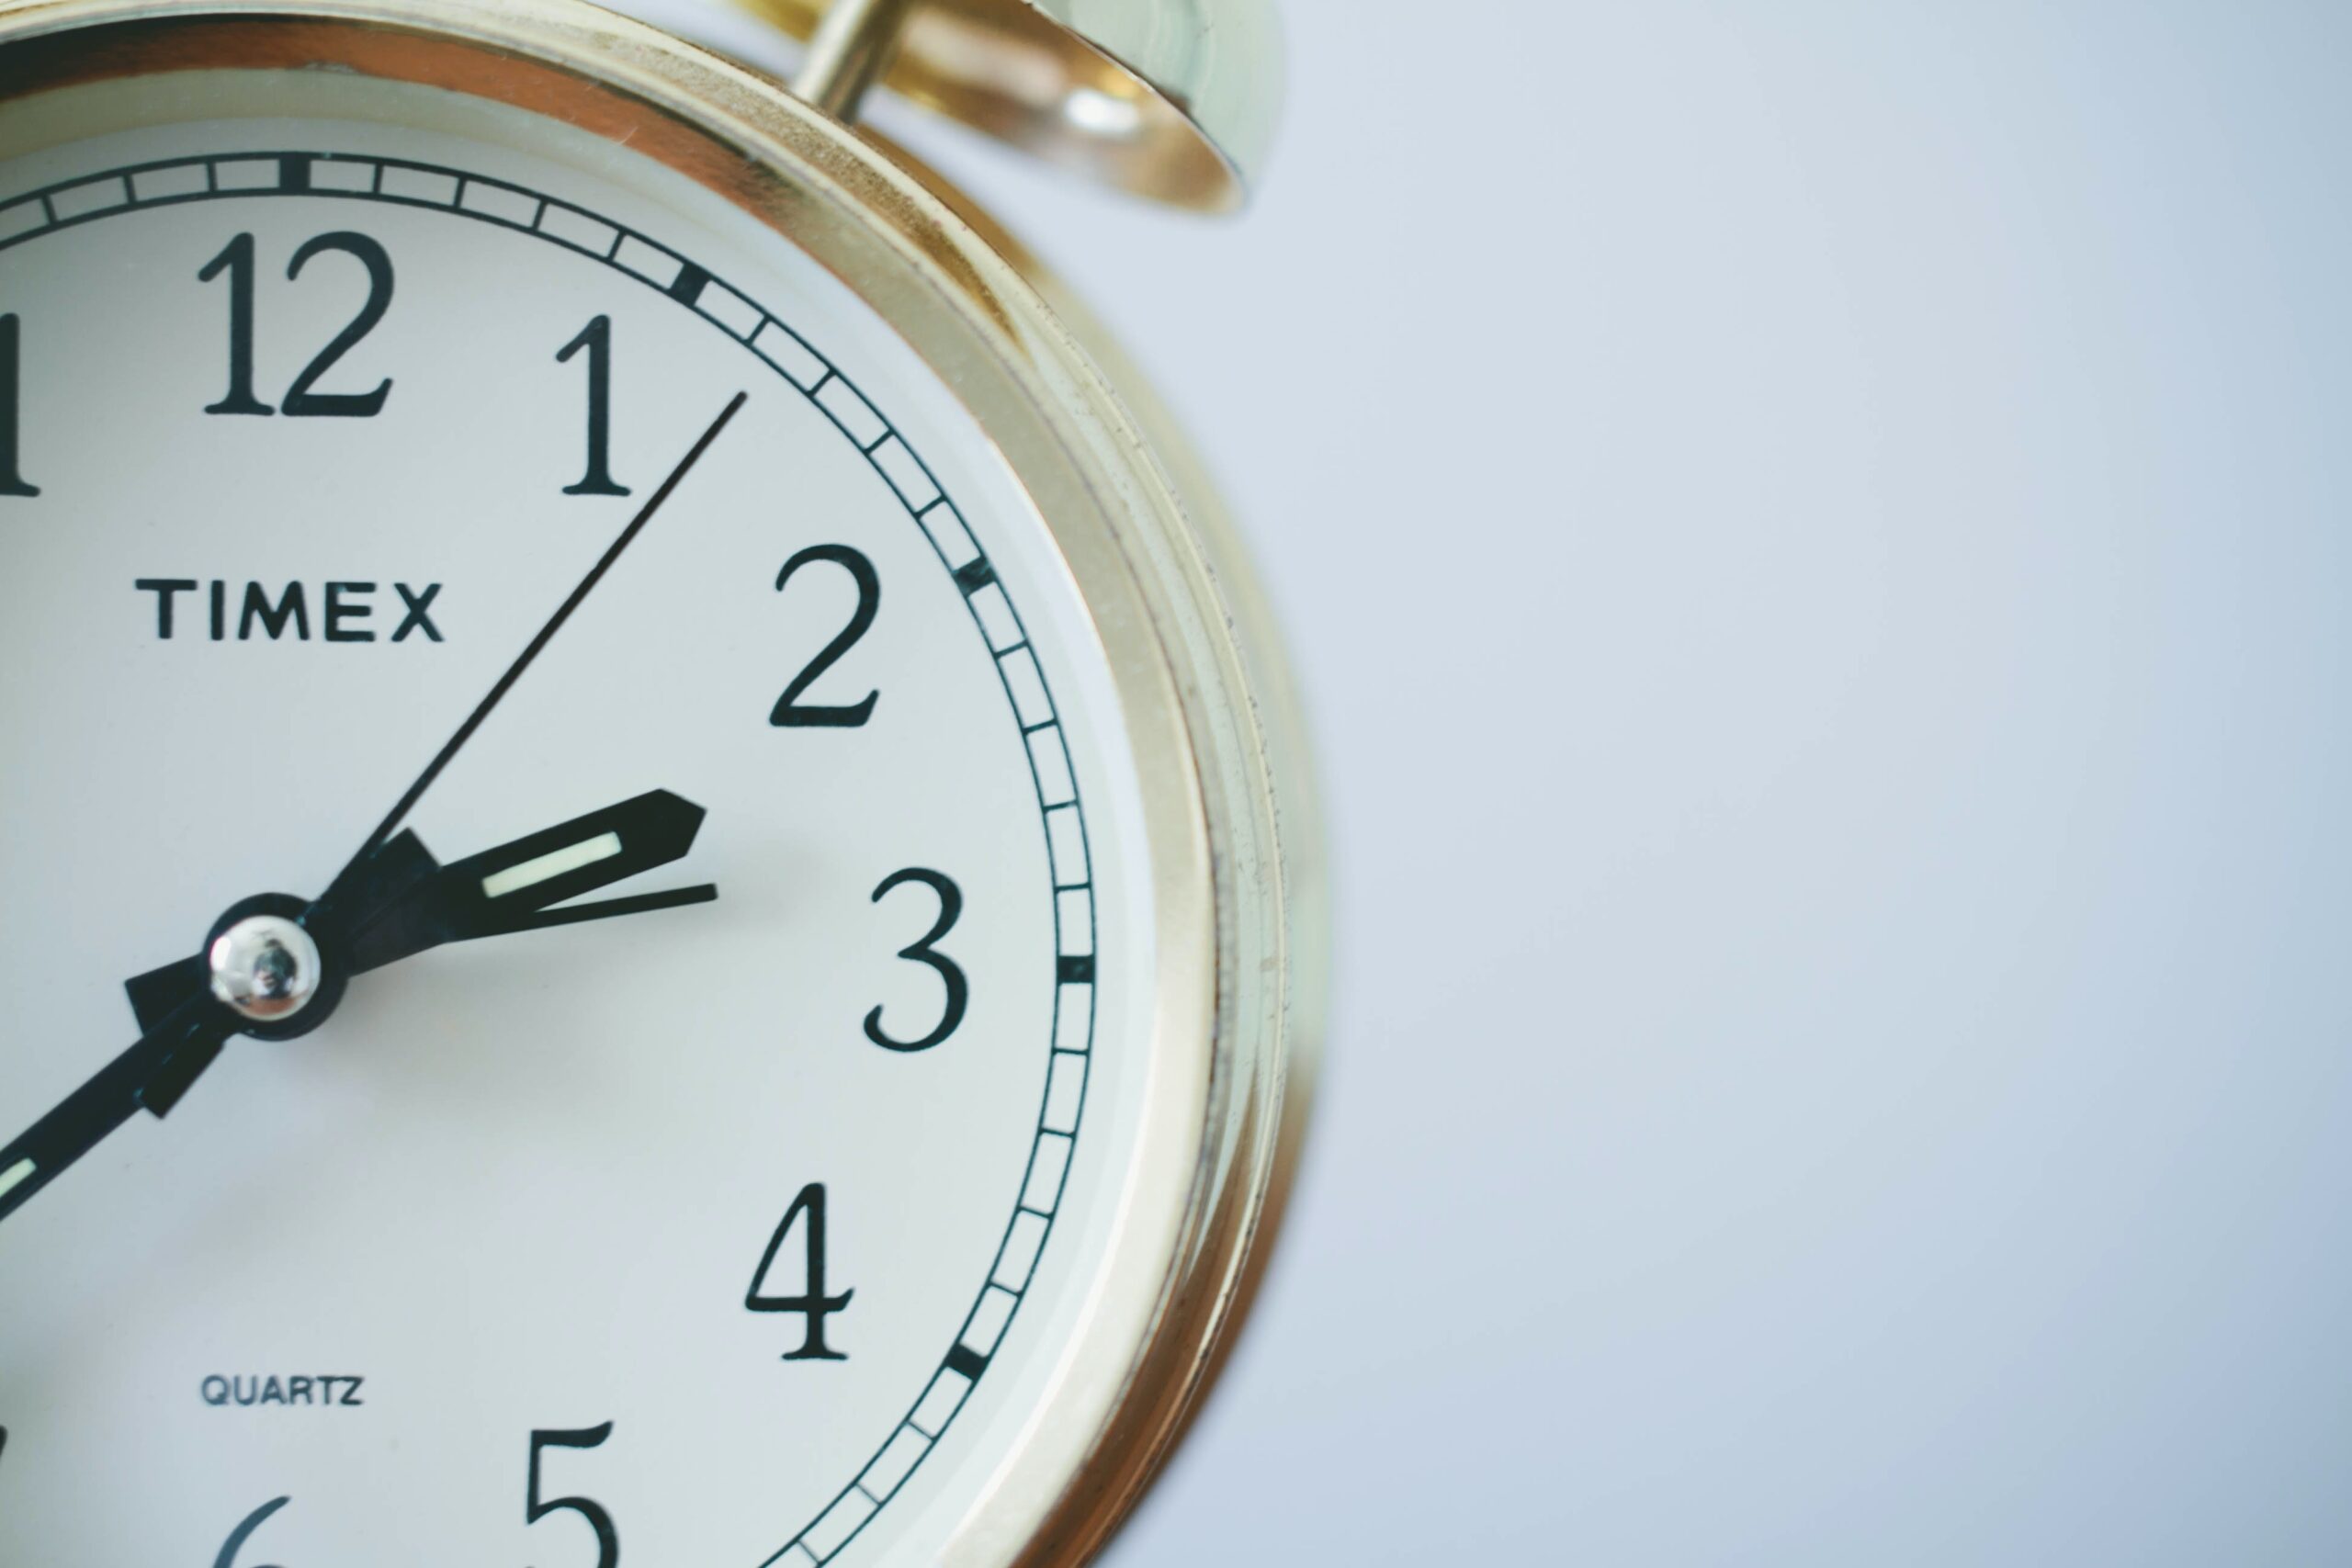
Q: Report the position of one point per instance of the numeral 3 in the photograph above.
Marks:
(951, 974)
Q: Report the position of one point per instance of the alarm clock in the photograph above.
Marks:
(664, 903)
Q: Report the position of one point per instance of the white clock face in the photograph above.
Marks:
(737, 1231)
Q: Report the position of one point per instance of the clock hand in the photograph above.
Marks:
(397, 871)
(412, 904)
(415, 904)
(513, 887)
(83, 1118)
(160, 1068)
(441, 760)
(385, 866)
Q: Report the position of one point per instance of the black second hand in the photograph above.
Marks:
(442, 759)
(106, 1101)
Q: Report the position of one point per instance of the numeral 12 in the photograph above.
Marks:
(237, 261)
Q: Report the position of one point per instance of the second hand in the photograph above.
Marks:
(184, 1041)
(505, 682)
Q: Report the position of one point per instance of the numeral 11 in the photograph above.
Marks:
(12, 478)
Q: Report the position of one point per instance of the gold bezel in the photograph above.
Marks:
(1207, 709)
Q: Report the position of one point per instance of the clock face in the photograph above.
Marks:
(742, 1223)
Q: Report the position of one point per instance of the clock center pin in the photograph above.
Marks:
(265, 967)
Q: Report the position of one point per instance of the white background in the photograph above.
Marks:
(1817, 539)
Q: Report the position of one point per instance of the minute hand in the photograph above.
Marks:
(84, 1118)
(515, 886)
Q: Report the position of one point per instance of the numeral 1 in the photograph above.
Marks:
(597, 337)
(12, 478)
(812, 1302)
(237, 261)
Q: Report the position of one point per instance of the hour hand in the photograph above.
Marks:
(399, 902)
(370, 889)
(517, 887)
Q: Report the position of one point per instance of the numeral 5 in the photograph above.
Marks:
(608, 1541)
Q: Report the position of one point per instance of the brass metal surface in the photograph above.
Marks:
(853, 44)
(1176, 100)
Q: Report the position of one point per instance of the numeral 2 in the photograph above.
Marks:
(608, 1541)
(812, 1302)
(12, 478)
(237, 261)
(597, 337)
(790, 712)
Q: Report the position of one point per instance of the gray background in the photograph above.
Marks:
(1816, 537)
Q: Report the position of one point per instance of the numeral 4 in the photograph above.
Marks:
(812, 1302)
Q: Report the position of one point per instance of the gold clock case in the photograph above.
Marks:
(1205, 702)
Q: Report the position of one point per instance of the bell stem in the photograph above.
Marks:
(851, 47)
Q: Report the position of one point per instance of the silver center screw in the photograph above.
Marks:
(265, 967)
